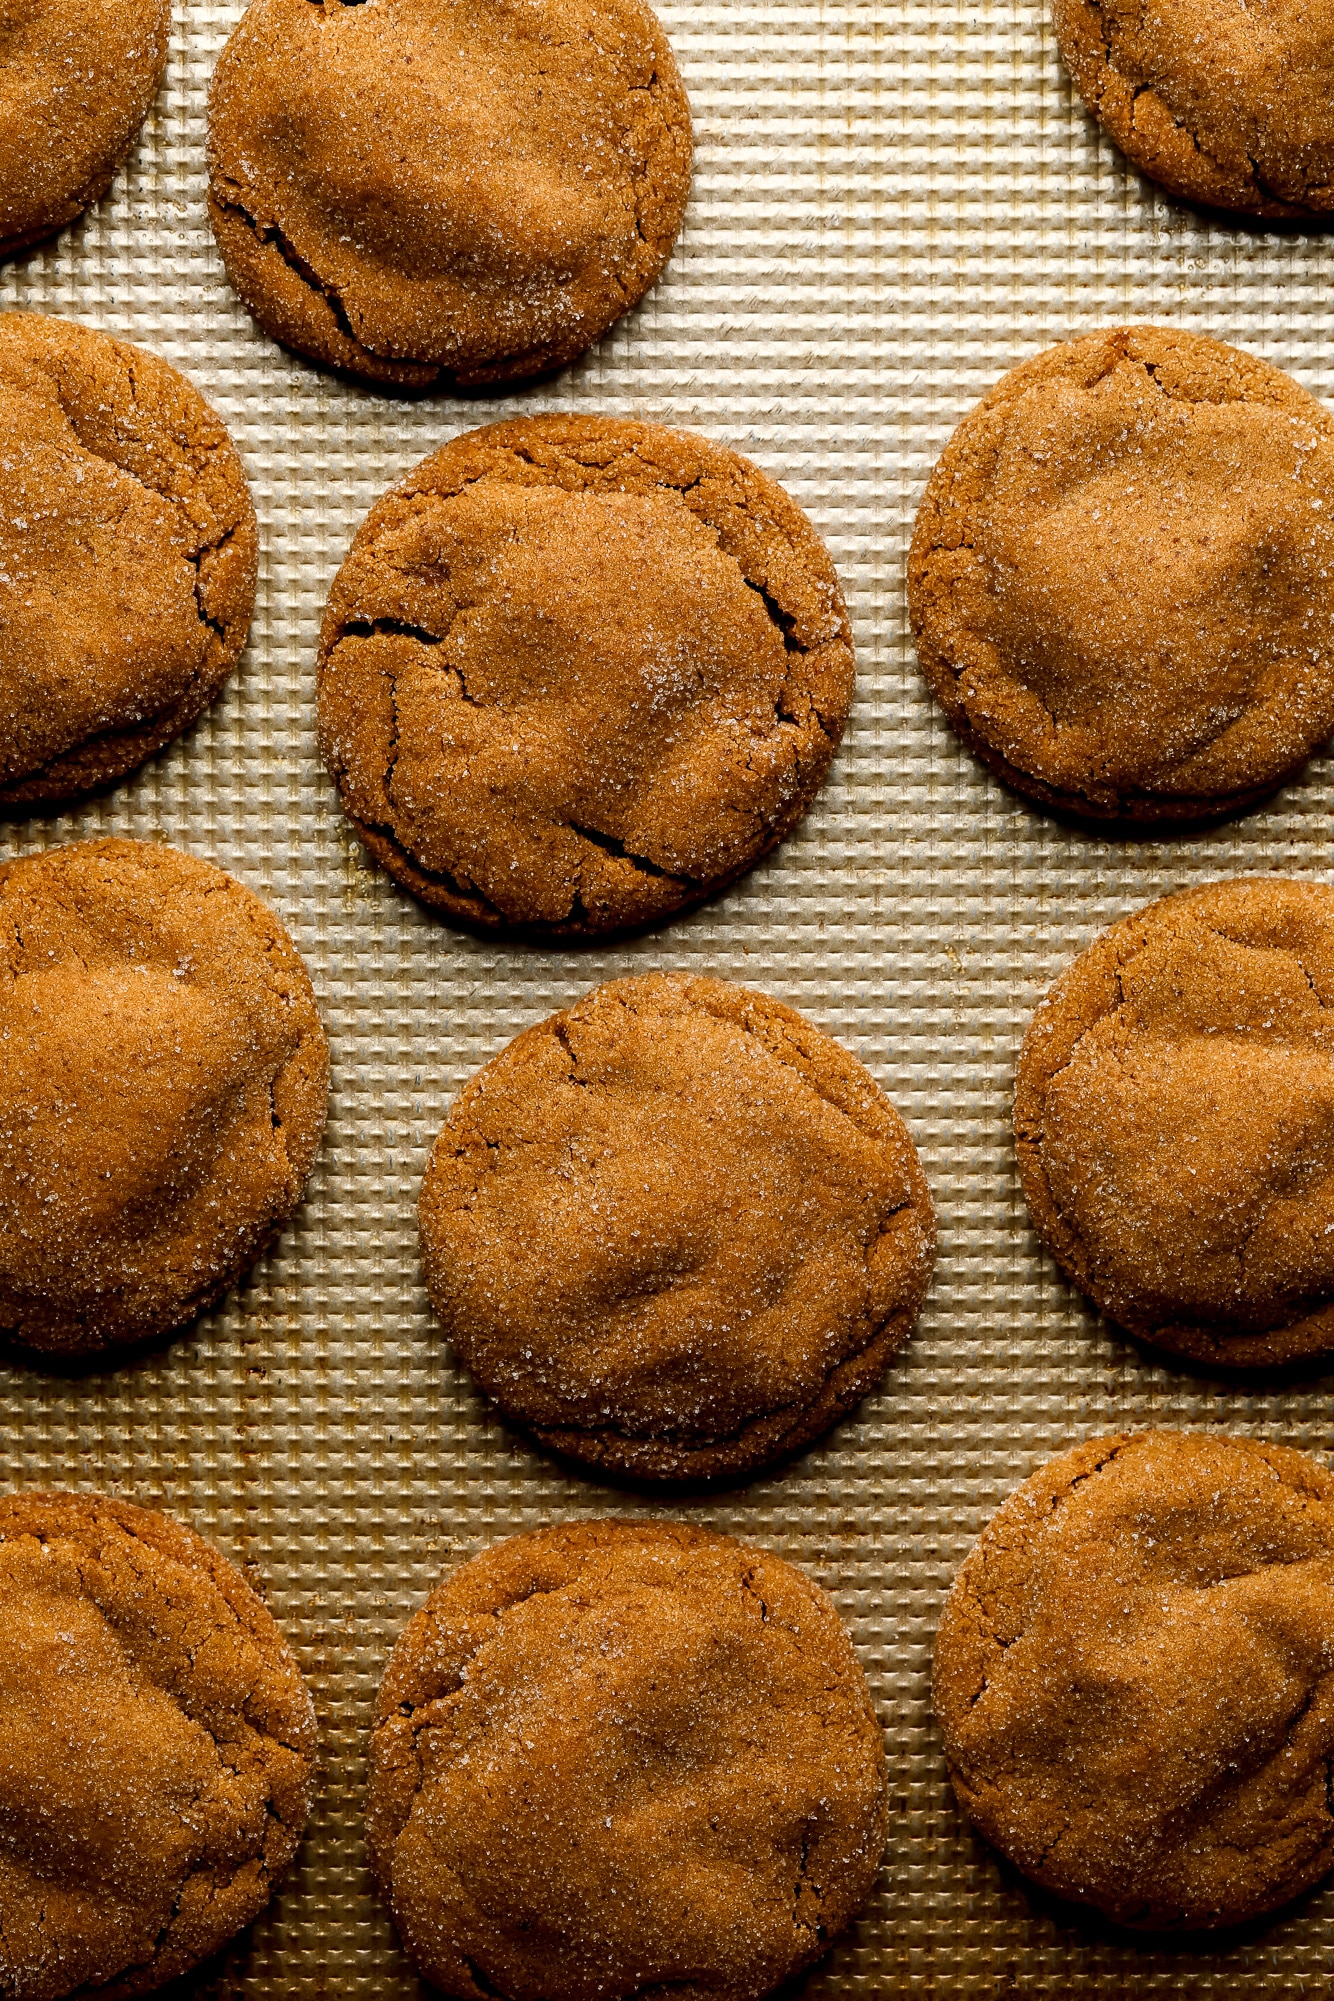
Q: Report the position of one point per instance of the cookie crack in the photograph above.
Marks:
(1051, 1847)
(403, 628)
(748, 1586)
(1309, 981)
(804, 1886)
(373, 628)
(1058, 1500)
(192, 449)
(783, 621)
(466, 892)
(563, 1037)
(196, 562)
(271, 235)
(612, 846)
(391, 755)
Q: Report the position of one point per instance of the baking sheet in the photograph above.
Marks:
(893, 203)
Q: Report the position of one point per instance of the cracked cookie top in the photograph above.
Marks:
(675, 1230)
(162, 1091)
(76, 80)
(1134, 1678)
(617, 1758)
(1225, 102)
(127, 558)
(1121, 580)
(577, 673)
(1174, 1122)
(465, 190)
(157, 1745)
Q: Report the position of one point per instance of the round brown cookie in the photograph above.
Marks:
(127, 558)
(675, 1230)
(162, 1094)
(1122, 577)
(1134, 1677)
(465, 190)
(1225, 102)
(76, 80)
(578, 673)
(624, 1758)
(157, 1745)
(1174, 1121)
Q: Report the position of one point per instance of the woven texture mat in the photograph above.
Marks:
(893, 203)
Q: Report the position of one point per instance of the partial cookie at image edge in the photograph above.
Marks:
(549, 1617)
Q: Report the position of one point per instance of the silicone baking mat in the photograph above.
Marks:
(893, 203)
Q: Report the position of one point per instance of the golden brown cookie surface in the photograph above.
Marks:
(157, 1745)
(1121, 580)
(1134, 1677)
(162, 1096)
(416, 190)
(675, 1230)
(576, 673)
(127, 558)
(1174, 1122)
(76, 80)
(1225, 102)
(615, 1758)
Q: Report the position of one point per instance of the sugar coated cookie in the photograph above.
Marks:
(468, 190)
(162, 1092)
(1225, 102)
(675, 1230)
(618, 1758)
(127, 558)
(156, 1749)
(1121, 580)
(1134, 1677)
(576, 673)
(76, 80)
(1174, 1120)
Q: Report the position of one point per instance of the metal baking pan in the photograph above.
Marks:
(893, 203)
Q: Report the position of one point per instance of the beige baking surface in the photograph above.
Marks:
(893, 203)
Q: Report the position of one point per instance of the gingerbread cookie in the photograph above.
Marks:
(157, 1746)
(127, 558)
(1122, 577)
(1174, 1121)
(1225, 102)
(1134, 1677)
(577, 673)
(429, 190)
(162, 1094)
(624, 1758)
(675, 1230)
(76, 80)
